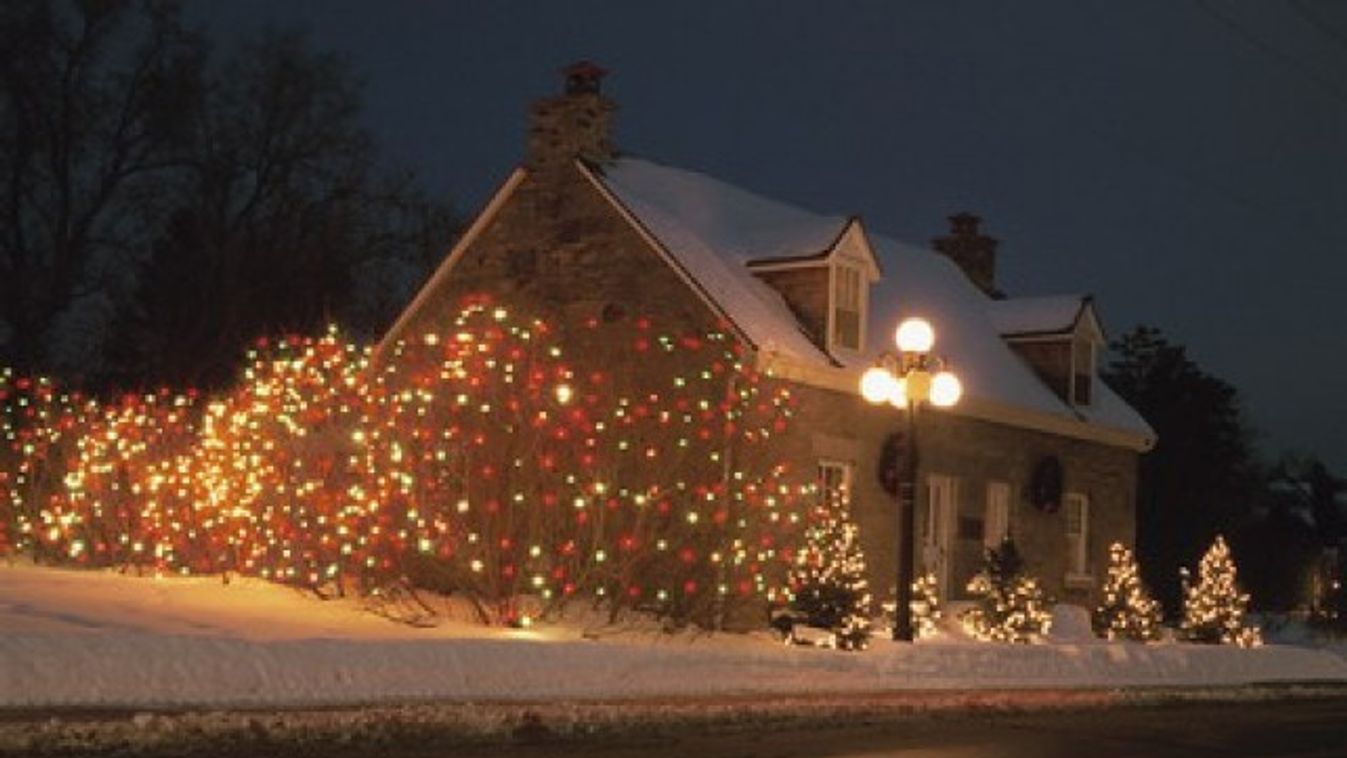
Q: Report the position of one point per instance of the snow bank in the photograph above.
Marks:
(90, 639)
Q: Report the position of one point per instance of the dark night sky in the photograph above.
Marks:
(1186, 162)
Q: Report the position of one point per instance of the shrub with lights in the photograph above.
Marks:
(828, 583)
(475, 459)
(926, 610)
(1214, 607)
(1127, 611)
(1009, 604)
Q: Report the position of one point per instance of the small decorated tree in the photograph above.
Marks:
(1127, 611)
(1213, 607)
(830, 589)
(926, 612)
(1011, 607)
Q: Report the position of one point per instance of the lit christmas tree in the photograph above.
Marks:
(1010, 606)
(829, 585)
(1127, 611)
(1213, 608)
(926, 612)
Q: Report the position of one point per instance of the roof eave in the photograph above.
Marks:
(846, 380)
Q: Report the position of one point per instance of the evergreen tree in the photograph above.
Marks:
(1011, 607)
(1127, 611)
(1213, 608)
(1202, 477)
(830, 590)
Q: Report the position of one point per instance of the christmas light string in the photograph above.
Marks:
(475, 459)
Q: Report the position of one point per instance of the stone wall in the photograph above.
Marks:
(842, 426)
(568, 126)
(558, 249)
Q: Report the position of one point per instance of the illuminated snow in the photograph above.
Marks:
(95, 638)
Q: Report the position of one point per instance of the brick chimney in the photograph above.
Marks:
(974, 251)
(574, 124)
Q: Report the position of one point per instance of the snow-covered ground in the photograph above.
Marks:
(94, 639)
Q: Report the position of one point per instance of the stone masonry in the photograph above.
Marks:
(557, 248)
(842, 427)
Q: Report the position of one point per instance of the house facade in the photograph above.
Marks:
(1038, 449)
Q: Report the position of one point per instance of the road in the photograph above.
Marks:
(1267, 727)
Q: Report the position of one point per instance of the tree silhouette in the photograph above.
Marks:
(1201, 478)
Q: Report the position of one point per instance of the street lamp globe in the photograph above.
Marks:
(877, 384)
(898, 393)
(946, 389)
(915, 335)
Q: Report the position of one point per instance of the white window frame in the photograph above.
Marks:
(835, 273)
(996, 519)
(842, 495)
(1077, 529)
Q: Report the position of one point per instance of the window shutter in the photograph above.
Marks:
(996, 525)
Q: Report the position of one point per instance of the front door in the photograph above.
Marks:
(938, 531)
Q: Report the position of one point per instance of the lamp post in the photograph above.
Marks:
(906, 380)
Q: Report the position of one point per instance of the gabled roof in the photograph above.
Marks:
(715, 230)
(666, 203)
(851, 243)
(1043, 316)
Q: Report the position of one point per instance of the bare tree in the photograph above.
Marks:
(281, 212)
(94, 97)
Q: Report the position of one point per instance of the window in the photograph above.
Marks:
(834, 483)
(1076, 508)
(1082, 371)
(847, 298)
(996, 524)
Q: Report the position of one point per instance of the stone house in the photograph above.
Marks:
(1039, 448)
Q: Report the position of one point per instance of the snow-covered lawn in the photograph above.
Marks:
(101, 639)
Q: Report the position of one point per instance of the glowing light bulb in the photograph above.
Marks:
(946, 389)
(898, 393)
(915, 335)
(564, 393)
(877, 384)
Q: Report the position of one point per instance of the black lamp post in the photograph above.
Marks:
(906, 380)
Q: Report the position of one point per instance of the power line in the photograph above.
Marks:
(1317, 21)
(1327, 85)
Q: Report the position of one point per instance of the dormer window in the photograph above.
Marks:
(1059, 337)
(847, 307)
(827, 290)
(1082, 369)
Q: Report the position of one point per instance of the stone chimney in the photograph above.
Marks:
(974, 251)
(574, 124)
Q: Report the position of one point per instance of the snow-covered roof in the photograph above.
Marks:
(714, 230)
(1051, 314)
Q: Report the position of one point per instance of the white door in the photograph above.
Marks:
(938, 531)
